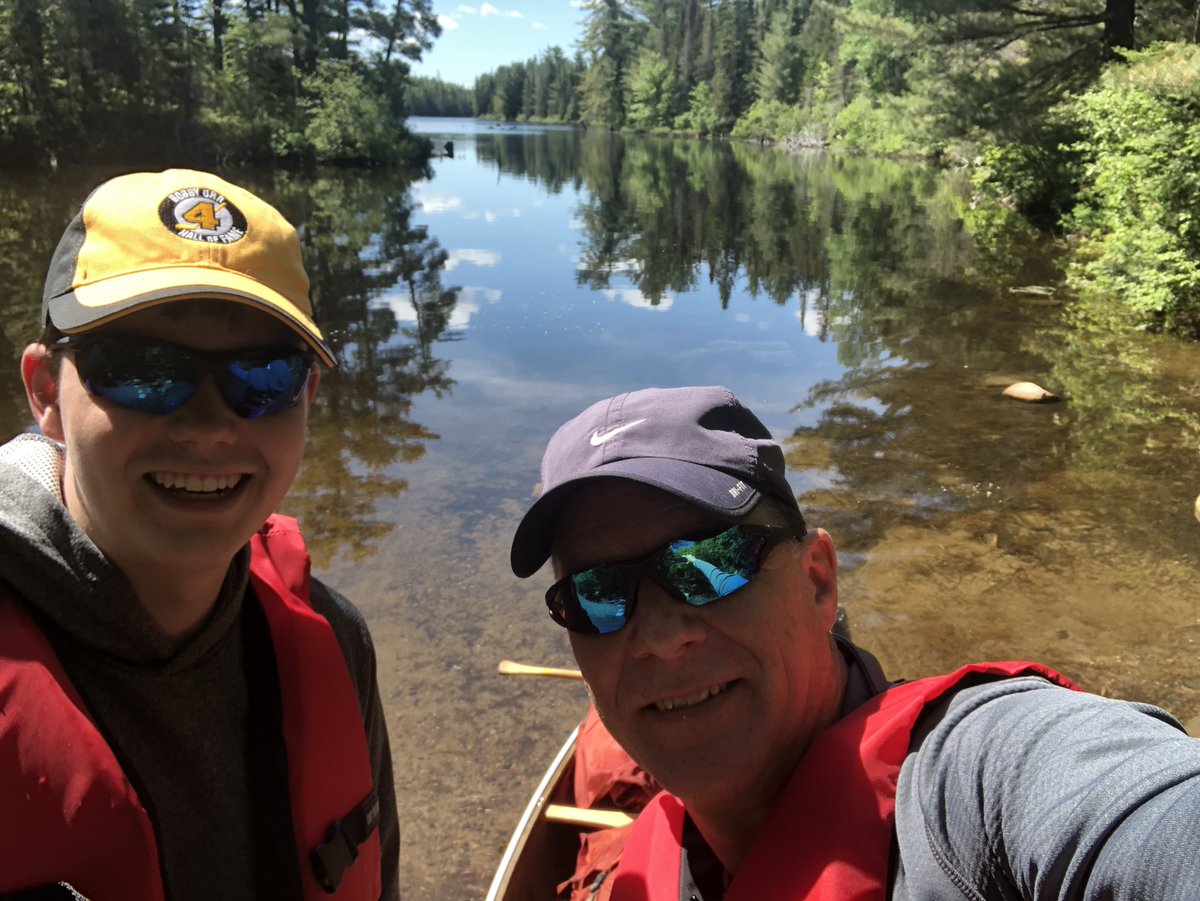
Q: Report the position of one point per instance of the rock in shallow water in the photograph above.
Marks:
(1030, 393)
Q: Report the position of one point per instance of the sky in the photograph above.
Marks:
(482, 37)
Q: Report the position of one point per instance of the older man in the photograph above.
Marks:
(184, 713)
(794, 769)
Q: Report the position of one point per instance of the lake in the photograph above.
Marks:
(867, 310)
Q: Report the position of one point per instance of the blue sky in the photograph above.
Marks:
(480, 37)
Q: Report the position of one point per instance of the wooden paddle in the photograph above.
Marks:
(580, 816)
(509, 668)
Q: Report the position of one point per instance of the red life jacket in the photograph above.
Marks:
(829, 837)
(68, 813)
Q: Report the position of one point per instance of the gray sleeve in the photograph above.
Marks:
(1026, 790)
(359, 651)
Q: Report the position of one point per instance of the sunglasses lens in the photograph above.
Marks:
(708, 569)
(697, 571)
(600, 599)
(143, 377)
(264, 383)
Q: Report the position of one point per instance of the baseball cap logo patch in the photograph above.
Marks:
(201, 214)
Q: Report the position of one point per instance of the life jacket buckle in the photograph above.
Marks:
(333, 857)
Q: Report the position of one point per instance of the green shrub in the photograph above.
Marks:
(875, 125)
(254, 114)
(345, 120)
(771, 120)
(1136, 214)
(1039, 180)
(701, 116)
(650, 86)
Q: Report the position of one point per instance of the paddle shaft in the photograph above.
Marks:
(509, 668)
(579, 816)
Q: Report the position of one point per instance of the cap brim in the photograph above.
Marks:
(92, 305)
(707, 488)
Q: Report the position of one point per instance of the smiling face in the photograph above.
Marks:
(717, 702)
(174, 497)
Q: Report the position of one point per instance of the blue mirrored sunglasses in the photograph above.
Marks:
(158, 377)
(696, 570)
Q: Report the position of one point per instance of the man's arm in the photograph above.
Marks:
(1026, 790)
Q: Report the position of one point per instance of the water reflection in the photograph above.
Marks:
(667, 214)
(33, 220)
(377, 284)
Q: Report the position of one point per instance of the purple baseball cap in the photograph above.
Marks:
(699, 444)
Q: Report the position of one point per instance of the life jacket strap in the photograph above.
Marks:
(336, 854)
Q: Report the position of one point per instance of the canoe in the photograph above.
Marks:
(544, 846)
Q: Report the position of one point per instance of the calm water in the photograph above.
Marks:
(844, 300)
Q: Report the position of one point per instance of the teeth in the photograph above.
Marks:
(199, 484)
(691, 700)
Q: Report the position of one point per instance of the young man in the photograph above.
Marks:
(184, 713)
(794, 769)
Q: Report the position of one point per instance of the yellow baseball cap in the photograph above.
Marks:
(150, 238)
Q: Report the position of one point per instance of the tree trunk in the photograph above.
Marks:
(218, 27)
(1118, 25)
(309, 26)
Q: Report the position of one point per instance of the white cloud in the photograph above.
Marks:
(463, 311)
(488, 10)
(435, 203)
(759, 351)
(493, 215)
(538, 25)
(475, 293)
(473, 256)
(635, 298)
(515, 14)
(616, 267)
(811, 321)
(401, 306)
(447, 23)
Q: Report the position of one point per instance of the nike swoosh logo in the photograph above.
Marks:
(599, 437)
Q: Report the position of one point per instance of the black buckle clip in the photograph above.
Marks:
(333, 857)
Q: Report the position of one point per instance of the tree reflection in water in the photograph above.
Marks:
(894, 264)
(360, 247)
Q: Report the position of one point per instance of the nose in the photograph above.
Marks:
(205, 419)
(663, 626)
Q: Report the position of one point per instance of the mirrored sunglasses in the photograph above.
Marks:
(158, 377)
(696, 570)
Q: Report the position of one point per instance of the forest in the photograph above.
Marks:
(1083, 116)
(209, 80)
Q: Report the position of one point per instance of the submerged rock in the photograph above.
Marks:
(1030, 393)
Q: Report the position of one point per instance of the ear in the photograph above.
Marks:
(39, 372)
(820, 566)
